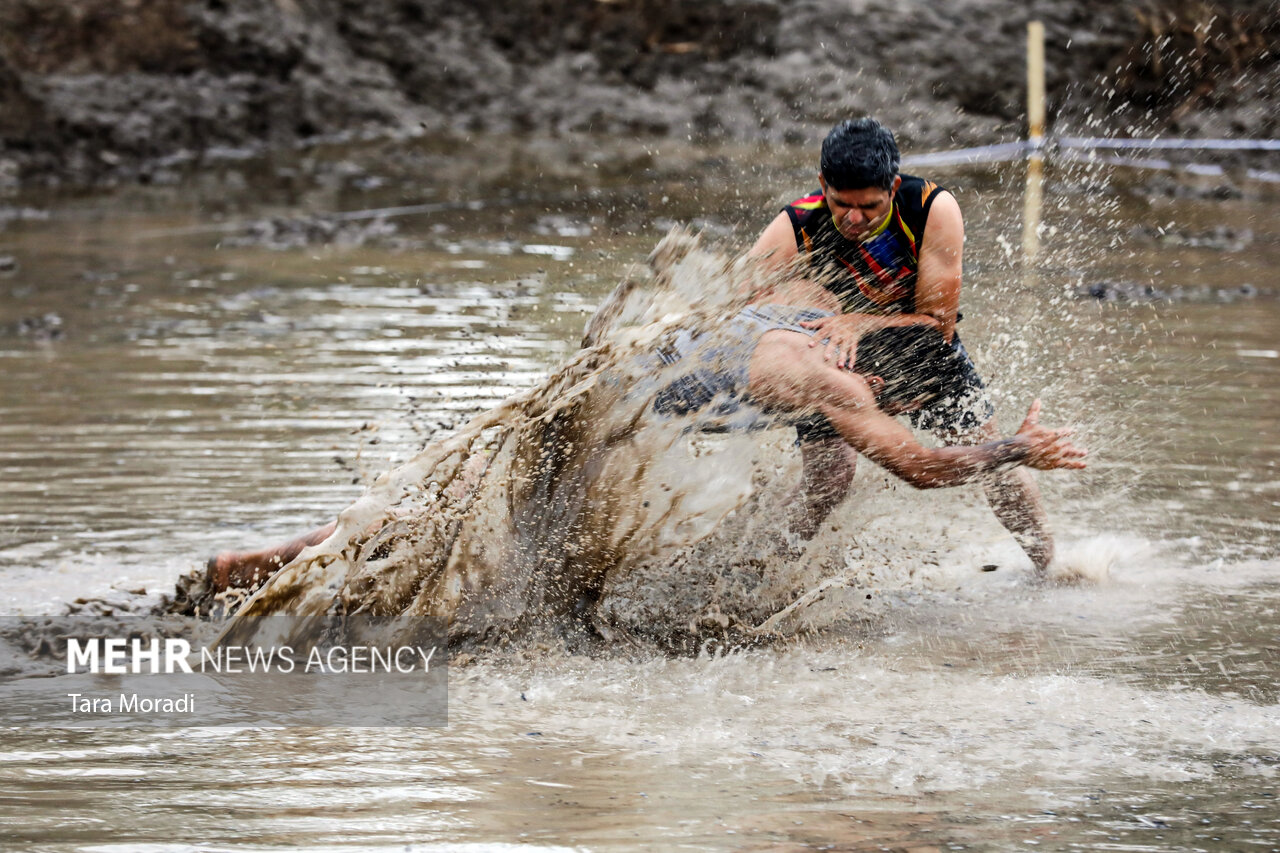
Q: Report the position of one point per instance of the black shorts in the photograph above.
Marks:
(962, 407)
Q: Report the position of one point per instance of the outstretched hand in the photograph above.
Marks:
(1049, 448)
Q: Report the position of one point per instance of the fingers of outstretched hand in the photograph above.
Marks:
(1065, 454)
(1033, 414)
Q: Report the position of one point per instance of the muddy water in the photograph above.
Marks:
(168, 390)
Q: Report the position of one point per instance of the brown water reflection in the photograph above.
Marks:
(195, 393)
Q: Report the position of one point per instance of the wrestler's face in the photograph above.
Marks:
(858, 213)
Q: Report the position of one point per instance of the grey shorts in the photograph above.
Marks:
(715, 365)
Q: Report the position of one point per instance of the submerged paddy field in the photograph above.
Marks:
(232, 359)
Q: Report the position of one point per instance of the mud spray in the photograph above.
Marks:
(572, 507)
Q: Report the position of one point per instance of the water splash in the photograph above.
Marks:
(573, 503)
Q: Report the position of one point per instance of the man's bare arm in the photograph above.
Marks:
(888, 443)
(776, 245)
(940, 270)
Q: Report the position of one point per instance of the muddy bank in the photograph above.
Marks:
(121, 89)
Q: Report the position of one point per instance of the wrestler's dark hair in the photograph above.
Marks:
(860, 153)
(915, 362)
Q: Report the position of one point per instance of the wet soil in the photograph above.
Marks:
(108, 90)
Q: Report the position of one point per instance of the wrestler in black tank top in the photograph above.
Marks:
(877, 275)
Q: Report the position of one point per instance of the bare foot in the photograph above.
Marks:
(249, 569)
(239, 570)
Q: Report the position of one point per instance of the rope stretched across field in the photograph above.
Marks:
(1082, 147)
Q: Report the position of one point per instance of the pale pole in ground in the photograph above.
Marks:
(1035, 137)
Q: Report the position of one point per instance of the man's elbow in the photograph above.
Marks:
(944, 322)
(948, 329)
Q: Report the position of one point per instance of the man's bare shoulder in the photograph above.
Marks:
(944, 229)
(777, 241)
(944, 210)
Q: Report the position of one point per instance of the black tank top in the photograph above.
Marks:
(877, 276)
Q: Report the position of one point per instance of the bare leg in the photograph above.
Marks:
(827, 473)
(1015, 499)
(246, 569)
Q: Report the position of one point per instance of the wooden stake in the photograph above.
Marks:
(1035, 83)
(1032, 202)
(1033, 197)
